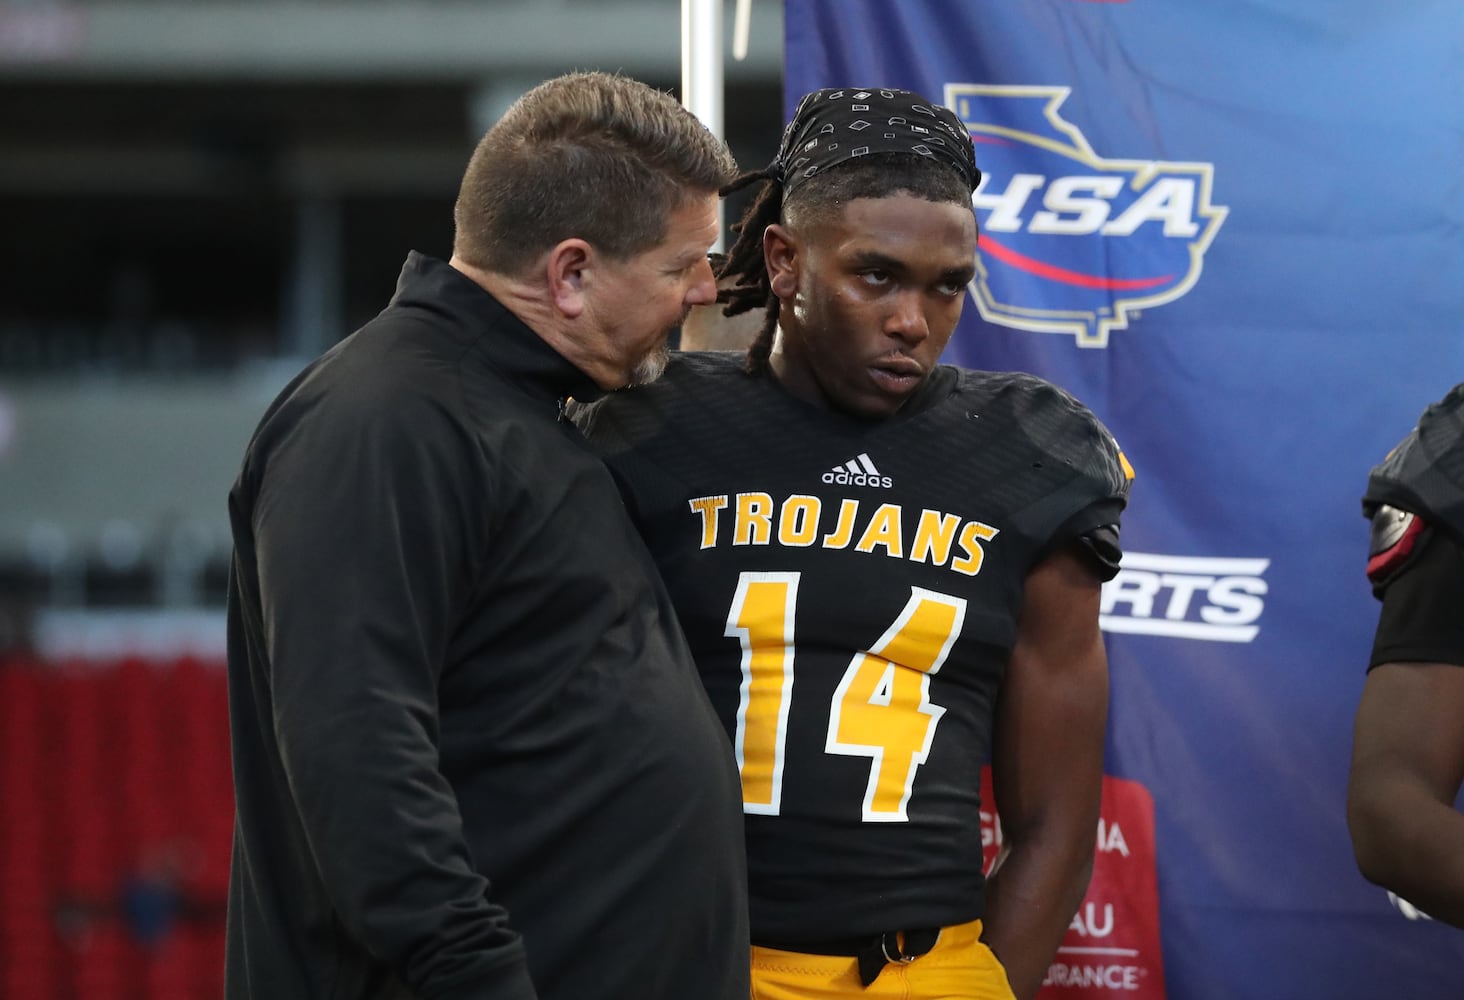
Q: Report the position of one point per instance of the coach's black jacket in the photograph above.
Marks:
(471, 754)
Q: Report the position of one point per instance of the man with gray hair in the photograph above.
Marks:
(472, 757)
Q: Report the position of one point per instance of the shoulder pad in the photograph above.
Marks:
(1425, 471)
(1396, 534)
(1059, 425)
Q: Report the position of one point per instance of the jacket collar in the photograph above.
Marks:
(489, 334)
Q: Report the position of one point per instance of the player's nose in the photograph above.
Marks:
(906, 319)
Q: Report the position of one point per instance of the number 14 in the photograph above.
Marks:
(881, 708)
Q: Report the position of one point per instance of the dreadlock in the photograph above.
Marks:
(744, 261)
(879, 175)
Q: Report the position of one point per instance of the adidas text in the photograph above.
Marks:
(844, 478)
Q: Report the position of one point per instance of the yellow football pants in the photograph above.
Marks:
(959, 967)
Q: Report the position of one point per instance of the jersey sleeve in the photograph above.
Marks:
(1422, 589)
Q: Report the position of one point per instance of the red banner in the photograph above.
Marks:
(1112, 945)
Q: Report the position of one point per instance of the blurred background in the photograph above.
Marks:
(195, 199)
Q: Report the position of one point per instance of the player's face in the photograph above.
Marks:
(647, 296)
(869, 299)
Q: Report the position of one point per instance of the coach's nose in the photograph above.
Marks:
(703, 290)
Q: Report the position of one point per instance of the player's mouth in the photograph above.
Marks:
(897, 375)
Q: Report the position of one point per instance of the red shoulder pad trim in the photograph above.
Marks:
(1384, 562)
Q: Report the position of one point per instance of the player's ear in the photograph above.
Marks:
(570, 271)
(781, 257)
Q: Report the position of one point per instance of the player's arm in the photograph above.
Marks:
(1408, 739)
(365, 548)
(1407, 766)
(1047, 767)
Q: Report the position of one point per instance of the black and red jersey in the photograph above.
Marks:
(851, 590)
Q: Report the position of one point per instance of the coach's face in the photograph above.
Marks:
(869, 299)
(647, 296)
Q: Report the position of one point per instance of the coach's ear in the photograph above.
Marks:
(568, 269)
(781, 256)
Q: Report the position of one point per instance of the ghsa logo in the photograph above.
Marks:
(1072, 242)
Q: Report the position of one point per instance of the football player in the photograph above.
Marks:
(1408, 741)
(888, 570)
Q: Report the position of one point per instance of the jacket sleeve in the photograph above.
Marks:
(367, 532)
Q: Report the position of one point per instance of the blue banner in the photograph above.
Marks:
(1235, 232)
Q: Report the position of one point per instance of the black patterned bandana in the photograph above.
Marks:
(838, 124)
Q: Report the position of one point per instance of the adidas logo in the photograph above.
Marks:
(858, 471)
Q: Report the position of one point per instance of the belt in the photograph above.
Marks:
(873, 952)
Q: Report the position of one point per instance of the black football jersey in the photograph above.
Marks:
(1424, 474)
(850, 590)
